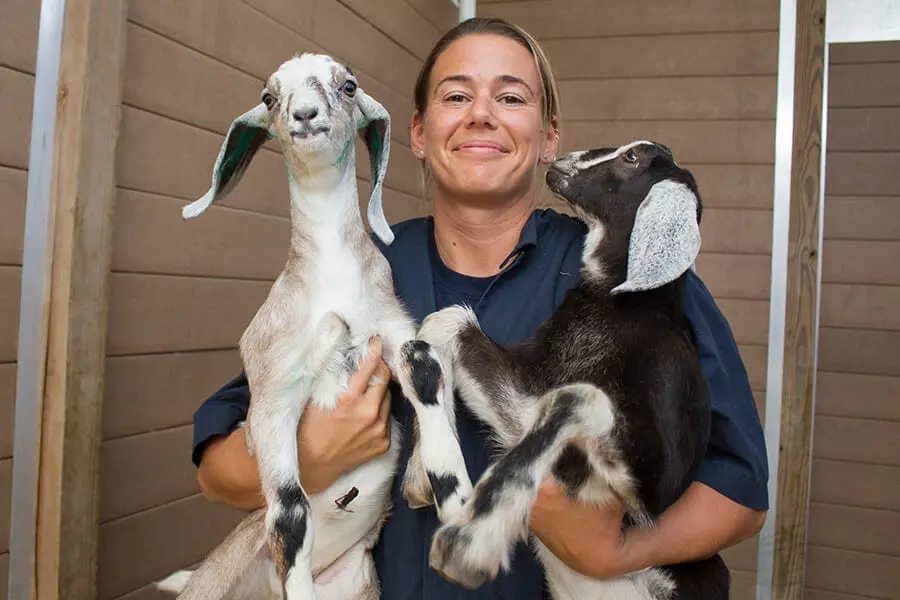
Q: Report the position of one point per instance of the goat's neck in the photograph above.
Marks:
(604, 258)
(324, 210)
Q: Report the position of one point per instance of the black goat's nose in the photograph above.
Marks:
(305, 113)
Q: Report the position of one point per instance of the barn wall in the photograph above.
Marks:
(18, 52)
(700, 77)
(182, 292)
(854, 515)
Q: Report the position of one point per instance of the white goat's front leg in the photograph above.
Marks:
(474, 545)
(274, 416)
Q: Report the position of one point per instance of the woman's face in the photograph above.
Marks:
(482, 134)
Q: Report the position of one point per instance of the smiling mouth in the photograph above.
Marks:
(482, 148)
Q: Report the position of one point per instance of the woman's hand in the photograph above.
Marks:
(588, 540)
(334, 442)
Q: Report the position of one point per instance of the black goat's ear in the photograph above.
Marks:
(665, 239)
(245, 137)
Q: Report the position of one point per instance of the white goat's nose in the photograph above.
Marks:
(305, 113)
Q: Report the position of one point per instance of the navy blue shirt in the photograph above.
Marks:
(510, 306)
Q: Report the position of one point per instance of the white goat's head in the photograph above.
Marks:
(313, 106)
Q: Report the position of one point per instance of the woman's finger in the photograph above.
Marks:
(359, 382)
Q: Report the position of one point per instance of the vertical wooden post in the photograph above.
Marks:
(801, 314)
(82, 192)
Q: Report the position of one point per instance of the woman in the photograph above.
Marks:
(485, 121)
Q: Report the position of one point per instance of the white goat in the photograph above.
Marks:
(335, 293)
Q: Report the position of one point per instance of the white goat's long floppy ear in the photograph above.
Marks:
(245, 136)
(665, 238)
(375, 130)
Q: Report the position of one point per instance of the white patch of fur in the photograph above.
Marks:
(587, 164)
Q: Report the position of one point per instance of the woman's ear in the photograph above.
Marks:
(550, 145)
(417, 135)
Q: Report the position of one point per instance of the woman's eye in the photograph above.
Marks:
(349, 88)
(509, 99)
(455, 98)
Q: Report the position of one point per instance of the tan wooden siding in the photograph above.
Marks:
(698, 76)
(18, 53)
(854, 550)
(182, 292)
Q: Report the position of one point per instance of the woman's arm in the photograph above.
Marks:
(592, 542)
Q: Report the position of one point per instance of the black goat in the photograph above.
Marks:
(608, 396)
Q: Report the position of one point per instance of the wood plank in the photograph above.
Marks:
(735, 186)
(737, 231)
(589, 18)
(870, 85)
(692, 142)
(219, 28)
(148, 592)
(855, 484)
(755, 359)
(13, 190)
(83, 187)
(299, 15)
(148, 546)
(736, 53)
(861, 306)
(864, 52)
(217, 245)
(19, 34)
(154, 313)
(748, 319)
(857, 440)
(852, 528)
(337, 29)
(126, 488)
(859, 351)
(864, 129)
(399, 21)
(862, 174)
(859, 218)
(814, 594)
(799, 360)
(852, 572)
(136, 384)
(443, 15)
(5, 494)
(7, 407)
(10, 296)
(742, 556)
(864, 396)
(737, 276)
(661, 98)
(743, 585)
(4, 578)
(860, 262)
(16, 99)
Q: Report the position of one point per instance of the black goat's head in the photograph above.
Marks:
(640, 203)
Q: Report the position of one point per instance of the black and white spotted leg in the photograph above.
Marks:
(425, 383)
(485, 377)
(475, 544)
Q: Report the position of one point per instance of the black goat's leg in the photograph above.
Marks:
(474, 545)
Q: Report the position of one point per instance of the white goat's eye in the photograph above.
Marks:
(630, 156)
(268, 99)
(349, 87)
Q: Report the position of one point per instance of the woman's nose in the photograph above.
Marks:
(482, 112)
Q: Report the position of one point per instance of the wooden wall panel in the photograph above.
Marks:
(181, 293)
(18, 52)
(855, 512)
(698, 76)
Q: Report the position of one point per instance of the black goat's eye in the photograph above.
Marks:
(268, 99)
(630, 156)
(349, 87)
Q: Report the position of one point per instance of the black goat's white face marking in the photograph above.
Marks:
(311, 102)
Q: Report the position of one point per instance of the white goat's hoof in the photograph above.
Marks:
(451, 548)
